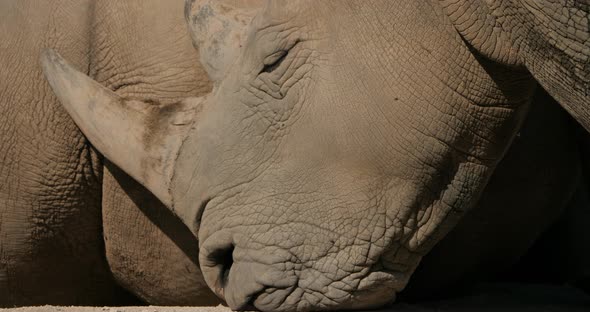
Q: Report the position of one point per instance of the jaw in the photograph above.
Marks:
(299, 265)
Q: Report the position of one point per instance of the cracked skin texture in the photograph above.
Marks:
(534, 181)
(136, 227)
(149, 250)
(275, 150)
(69, 232)
(51, 247)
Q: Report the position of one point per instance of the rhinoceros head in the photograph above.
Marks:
(341, 141)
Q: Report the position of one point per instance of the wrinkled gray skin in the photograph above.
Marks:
(330, 174)
(302, 204)
(50, 228)
(69, 232)
(526, 194)
(328, 207)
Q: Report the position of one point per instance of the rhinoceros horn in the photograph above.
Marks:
(142, 138)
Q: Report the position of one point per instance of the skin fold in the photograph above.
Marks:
(299, 208)
(526, 195)
(149, 251)
(51, 247)
(337, 147)
(70, 233)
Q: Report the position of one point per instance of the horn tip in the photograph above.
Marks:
(52, 64)
(62, 77)
(50, 58)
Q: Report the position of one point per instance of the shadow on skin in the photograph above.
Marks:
(158, 214)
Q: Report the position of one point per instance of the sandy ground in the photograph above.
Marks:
(490, 298)
(118, 309)
(396, 308)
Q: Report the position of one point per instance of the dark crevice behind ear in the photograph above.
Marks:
(550, 38)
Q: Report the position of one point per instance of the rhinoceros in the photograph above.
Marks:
(72, 226)
(340, 142)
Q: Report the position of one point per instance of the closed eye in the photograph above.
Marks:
(274, 61)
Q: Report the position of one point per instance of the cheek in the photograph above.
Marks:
(345, 124)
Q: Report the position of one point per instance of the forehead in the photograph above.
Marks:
(387, 43)
(360, 24)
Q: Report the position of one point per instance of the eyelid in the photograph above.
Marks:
(274, 61)
(273, 58)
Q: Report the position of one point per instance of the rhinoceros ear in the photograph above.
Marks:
(141, 138)
(218, 28)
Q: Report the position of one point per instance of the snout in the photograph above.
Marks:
(241, 275)
(269, 279)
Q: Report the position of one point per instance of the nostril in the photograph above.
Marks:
(216, 261)
(231, 273)
(224, 260)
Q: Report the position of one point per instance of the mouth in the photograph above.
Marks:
(251, 285)
(233, 276)
(248, 278)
